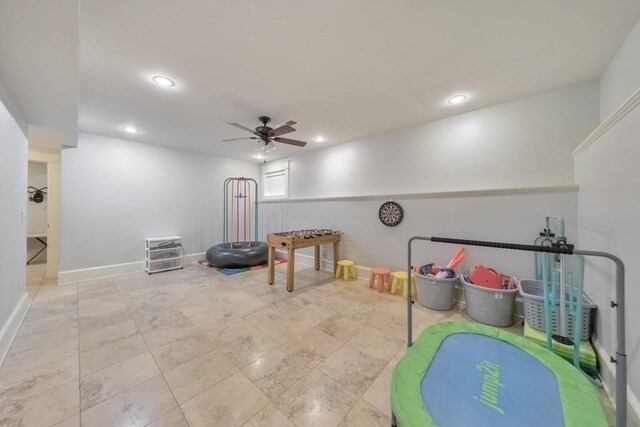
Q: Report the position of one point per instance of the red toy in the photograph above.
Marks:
(486, 277)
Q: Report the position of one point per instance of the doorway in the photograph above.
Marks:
(37, 223)
(43, 216)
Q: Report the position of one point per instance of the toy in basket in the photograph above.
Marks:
(489, 278)
(435, 285)
(490, 305)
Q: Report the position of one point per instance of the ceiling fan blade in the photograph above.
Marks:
(238, 139)
(288, 122)
(242, 127)
(290, 141)
(281, 130)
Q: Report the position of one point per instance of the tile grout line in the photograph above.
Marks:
(271, 402)
(122, 392)
(154, 361)
(217, 347)
(42, 279)
(391, 310)
(347, 343)
(79, 352)
(39, 286)
(199, 393)
(79, 367)
(241, 368)
(304, 376)
(294, 384)
(262, 408)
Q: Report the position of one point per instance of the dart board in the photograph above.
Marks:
(390, 214)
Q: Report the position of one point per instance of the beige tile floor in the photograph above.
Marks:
(36, 277)
(194, 347)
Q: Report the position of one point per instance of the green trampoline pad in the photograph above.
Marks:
(462, 373)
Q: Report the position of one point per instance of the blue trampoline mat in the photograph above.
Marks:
(476, 380)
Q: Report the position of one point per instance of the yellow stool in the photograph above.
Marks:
(347, 268)
(400, 282)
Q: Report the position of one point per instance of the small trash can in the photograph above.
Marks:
(436, 294)
(487, 305)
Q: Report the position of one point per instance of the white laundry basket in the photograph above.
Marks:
(434, 293)
(533, 296)
(487, 305)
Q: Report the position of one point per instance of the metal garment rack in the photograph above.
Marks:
(621, 357)
(227, 191)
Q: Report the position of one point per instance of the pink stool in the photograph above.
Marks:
(383, 274)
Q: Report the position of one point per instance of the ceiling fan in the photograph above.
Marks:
(267, 135)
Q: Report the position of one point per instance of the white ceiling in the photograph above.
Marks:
(342, 69)
(39, 67)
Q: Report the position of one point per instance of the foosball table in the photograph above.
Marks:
(292, 240)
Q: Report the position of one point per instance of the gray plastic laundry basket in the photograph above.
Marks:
(491, 306)
(436, 294)
(532, 295)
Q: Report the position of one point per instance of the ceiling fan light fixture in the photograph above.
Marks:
(267, 136)
(267, 148)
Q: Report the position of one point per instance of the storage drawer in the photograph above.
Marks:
(164, 254)
(164, 244)
(165, 264)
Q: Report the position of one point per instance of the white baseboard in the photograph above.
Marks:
(193, 258)
(325, 264)
(83, 274)
(608, 375)
(11, 326)
(72, 276)
(365, 272)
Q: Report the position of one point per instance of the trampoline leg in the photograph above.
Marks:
(394, 422)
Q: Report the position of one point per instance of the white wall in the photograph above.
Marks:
(117, 192)
(622, 76)
(13, 227)
(11, 106)
(39, 44)
(513, 218)
(519, 144)
(522, 143)
(609, 208)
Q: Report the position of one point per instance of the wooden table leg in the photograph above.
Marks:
(272, 264)
(317, 257)
(290, 268)
(336, 256)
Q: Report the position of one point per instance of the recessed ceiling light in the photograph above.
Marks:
(130, 129)
(319, 138)
(163, 81)
(457, 99)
